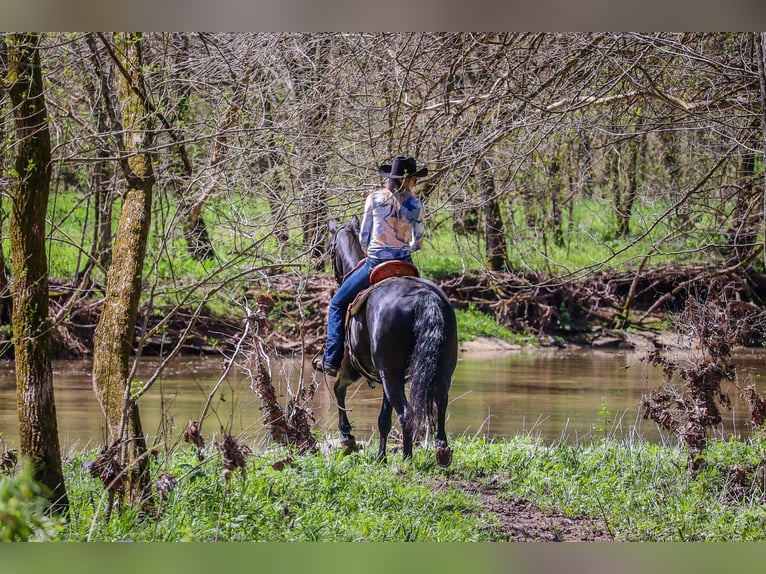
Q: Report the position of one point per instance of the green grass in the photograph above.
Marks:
(633, 489)
(640, 491)
(589, 242)
(241, 224)
(473, 323)
(319, 498)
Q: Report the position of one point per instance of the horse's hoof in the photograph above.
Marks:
(348, 445)
(443, 455)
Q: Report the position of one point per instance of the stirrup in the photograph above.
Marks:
(319, 365)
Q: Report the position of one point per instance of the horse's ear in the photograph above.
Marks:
(354, 221)
(331, 226)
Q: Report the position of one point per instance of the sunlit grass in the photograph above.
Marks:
(473, 323)
(241, 229)
(588, 242)
(638, 490)
(632, 489)
(317, 498)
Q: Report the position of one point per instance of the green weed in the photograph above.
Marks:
(637, 490)
(473, 323)
(23, 509)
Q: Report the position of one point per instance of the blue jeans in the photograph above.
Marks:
(336, 317)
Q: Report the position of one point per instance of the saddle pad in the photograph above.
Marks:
(394, 268)
(357, 303)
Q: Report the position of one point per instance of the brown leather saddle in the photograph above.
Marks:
(387, 270)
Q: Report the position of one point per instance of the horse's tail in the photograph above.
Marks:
(425, 382)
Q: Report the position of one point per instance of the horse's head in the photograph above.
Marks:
(345, 249)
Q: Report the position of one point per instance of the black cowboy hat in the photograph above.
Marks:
(402, 167)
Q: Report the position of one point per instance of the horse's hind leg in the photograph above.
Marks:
(397, 399)
(384, 427)
(348, 442)
(443, 452)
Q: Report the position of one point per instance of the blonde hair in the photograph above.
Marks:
(397, 187)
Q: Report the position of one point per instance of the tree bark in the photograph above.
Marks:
(494, 234)
(113, 338)
(624, 203)
(743, 230)
(760, 43)
(38, 430)
(311, 85)
(198, 242)
(555, 192)
(101, 96)
(6, 302)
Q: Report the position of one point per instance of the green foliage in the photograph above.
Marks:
(638, 490)
(22, 509)
(473, 323)
(316, 498)
(634, 490)
(604, 419)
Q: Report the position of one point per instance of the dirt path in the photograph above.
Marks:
(521, 521)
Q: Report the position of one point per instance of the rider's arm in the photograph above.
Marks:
(418, 231)
(365, 231)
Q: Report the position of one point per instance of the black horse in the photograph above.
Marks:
(405, 331)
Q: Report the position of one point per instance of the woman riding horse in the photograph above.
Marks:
(392, 228)
(404, 330)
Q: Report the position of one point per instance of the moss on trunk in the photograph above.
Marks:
(113, 338)
(38, 430)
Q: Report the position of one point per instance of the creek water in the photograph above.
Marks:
(559, 395)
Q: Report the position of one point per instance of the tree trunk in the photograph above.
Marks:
(625, 208)
(586, 164)
(311, 85)
(6, 300)
(38, 430)
(101, 95)
(494, 234)
(760, 43)
(113, 338)
(269, 162)
(555, 191)
(198, 242)
(744, 218)
(624, 204)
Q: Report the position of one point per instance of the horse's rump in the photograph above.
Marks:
(403, 321)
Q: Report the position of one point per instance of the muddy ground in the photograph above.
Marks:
(519, 520)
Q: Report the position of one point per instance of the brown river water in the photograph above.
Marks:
(558, 395)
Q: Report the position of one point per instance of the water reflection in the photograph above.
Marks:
(560, 395)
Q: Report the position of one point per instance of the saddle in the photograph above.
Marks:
(387, 270)
(393, 268)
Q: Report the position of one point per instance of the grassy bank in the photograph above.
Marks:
(618, 490)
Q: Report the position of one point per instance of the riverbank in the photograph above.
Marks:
(605, 310)
(511, 490)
